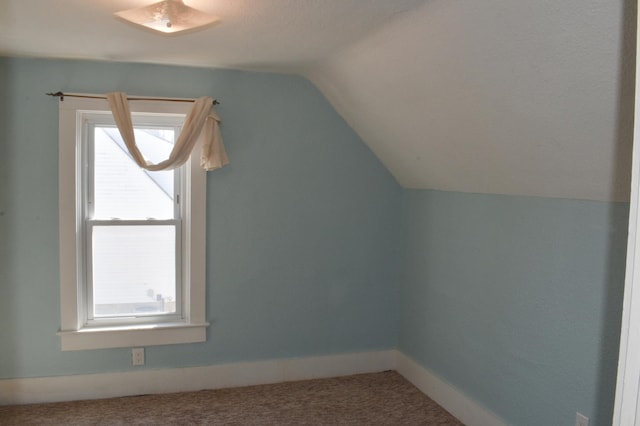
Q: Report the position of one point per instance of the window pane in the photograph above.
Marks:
(134, 270)
(123, 190)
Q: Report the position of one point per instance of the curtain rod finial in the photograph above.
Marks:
(58, 94)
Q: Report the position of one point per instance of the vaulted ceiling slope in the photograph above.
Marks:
(521, 97)
(496, 96)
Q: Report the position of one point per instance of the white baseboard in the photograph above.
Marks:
(107, 385)
(461, 406)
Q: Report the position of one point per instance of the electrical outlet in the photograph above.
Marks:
(137, 356)
(582, 420)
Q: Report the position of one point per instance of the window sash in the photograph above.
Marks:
(91, 319)
(98, 119)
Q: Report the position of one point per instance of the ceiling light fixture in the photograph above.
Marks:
(168, 17)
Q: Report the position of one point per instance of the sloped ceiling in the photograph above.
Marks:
(496, 96)
(493, 96)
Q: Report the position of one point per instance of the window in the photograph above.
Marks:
(131, 241)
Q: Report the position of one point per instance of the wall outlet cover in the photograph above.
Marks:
(137, 356)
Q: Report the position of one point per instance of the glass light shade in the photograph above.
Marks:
(168, 17)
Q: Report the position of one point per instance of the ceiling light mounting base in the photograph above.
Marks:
(169, 17)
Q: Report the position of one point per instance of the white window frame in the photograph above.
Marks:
(74, 331)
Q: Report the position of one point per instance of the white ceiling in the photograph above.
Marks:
(494, 96)
(281, 35)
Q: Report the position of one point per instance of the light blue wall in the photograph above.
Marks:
(303, 248)
(516, 301)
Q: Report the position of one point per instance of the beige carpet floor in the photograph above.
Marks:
(365, 399)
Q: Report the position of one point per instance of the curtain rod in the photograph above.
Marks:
(131, 98)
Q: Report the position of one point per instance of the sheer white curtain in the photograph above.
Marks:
(201, 119)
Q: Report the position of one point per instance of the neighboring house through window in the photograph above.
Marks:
(132, 241)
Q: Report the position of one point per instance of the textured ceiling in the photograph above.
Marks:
(280, 35)
(493, 96)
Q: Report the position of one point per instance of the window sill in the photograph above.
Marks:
(133, 336)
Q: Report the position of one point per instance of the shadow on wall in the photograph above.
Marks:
(616, 262)
(626, 100)
(612, 314)
(8, 357)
